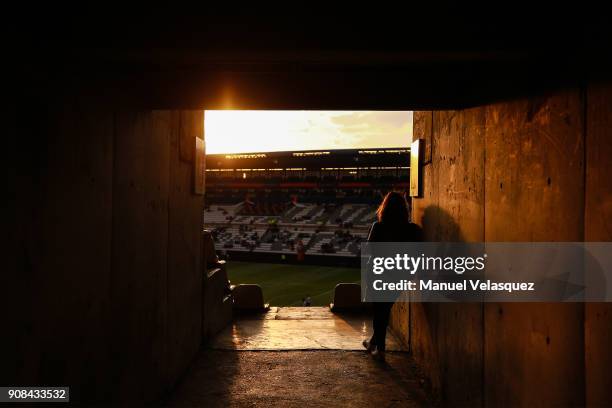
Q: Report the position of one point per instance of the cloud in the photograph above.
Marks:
(389, 128)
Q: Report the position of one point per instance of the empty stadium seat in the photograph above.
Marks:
(217, 299)
(208, 246)
(347, 297)
(249, 298)
(216, 290)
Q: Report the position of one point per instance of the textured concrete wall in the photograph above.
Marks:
(451, 210)
(106, 290)
(535, 192)
(400, 320)
(515, 171)
(598, 227)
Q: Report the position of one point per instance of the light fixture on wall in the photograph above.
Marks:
(416, 148)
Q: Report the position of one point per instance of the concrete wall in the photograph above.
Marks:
(105, 293)
(451, 210)
(524, 170)
(598, 227)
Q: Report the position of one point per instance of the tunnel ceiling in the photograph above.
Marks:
(394, 60)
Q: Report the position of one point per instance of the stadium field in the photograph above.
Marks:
(286, 285)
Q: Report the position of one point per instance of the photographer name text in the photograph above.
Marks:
(459, 286)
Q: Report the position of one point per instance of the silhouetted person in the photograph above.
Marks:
(393, 225)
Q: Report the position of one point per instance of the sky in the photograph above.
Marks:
(245, 131)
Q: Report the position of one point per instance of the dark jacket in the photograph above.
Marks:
(400, 232)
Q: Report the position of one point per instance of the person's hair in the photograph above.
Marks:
(393, 208)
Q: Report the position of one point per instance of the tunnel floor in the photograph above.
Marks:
(299, 328)
(298, 357)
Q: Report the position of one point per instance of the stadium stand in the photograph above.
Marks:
(320, 202)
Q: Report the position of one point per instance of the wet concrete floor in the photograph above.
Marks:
(299, 328)
(298, 357)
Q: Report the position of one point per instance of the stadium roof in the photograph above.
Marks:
(312, 159)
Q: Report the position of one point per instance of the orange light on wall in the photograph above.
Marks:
(415, 168)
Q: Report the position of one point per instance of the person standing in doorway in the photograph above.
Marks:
(392, 225)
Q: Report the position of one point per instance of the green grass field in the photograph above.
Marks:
(286, 285)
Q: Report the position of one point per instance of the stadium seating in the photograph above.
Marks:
(268, 201)
(216, 288)
(347, 298)
(218, 299)
(335, 230)
(249, 298)
(216, 214)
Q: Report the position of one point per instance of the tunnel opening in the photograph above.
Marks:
(290, 195)
(285, 223)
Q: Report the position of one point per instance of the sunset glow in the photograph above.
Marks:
(230, 131)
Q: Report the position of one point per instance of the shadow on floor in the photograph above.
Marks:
(298, 357)
(317, 378)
